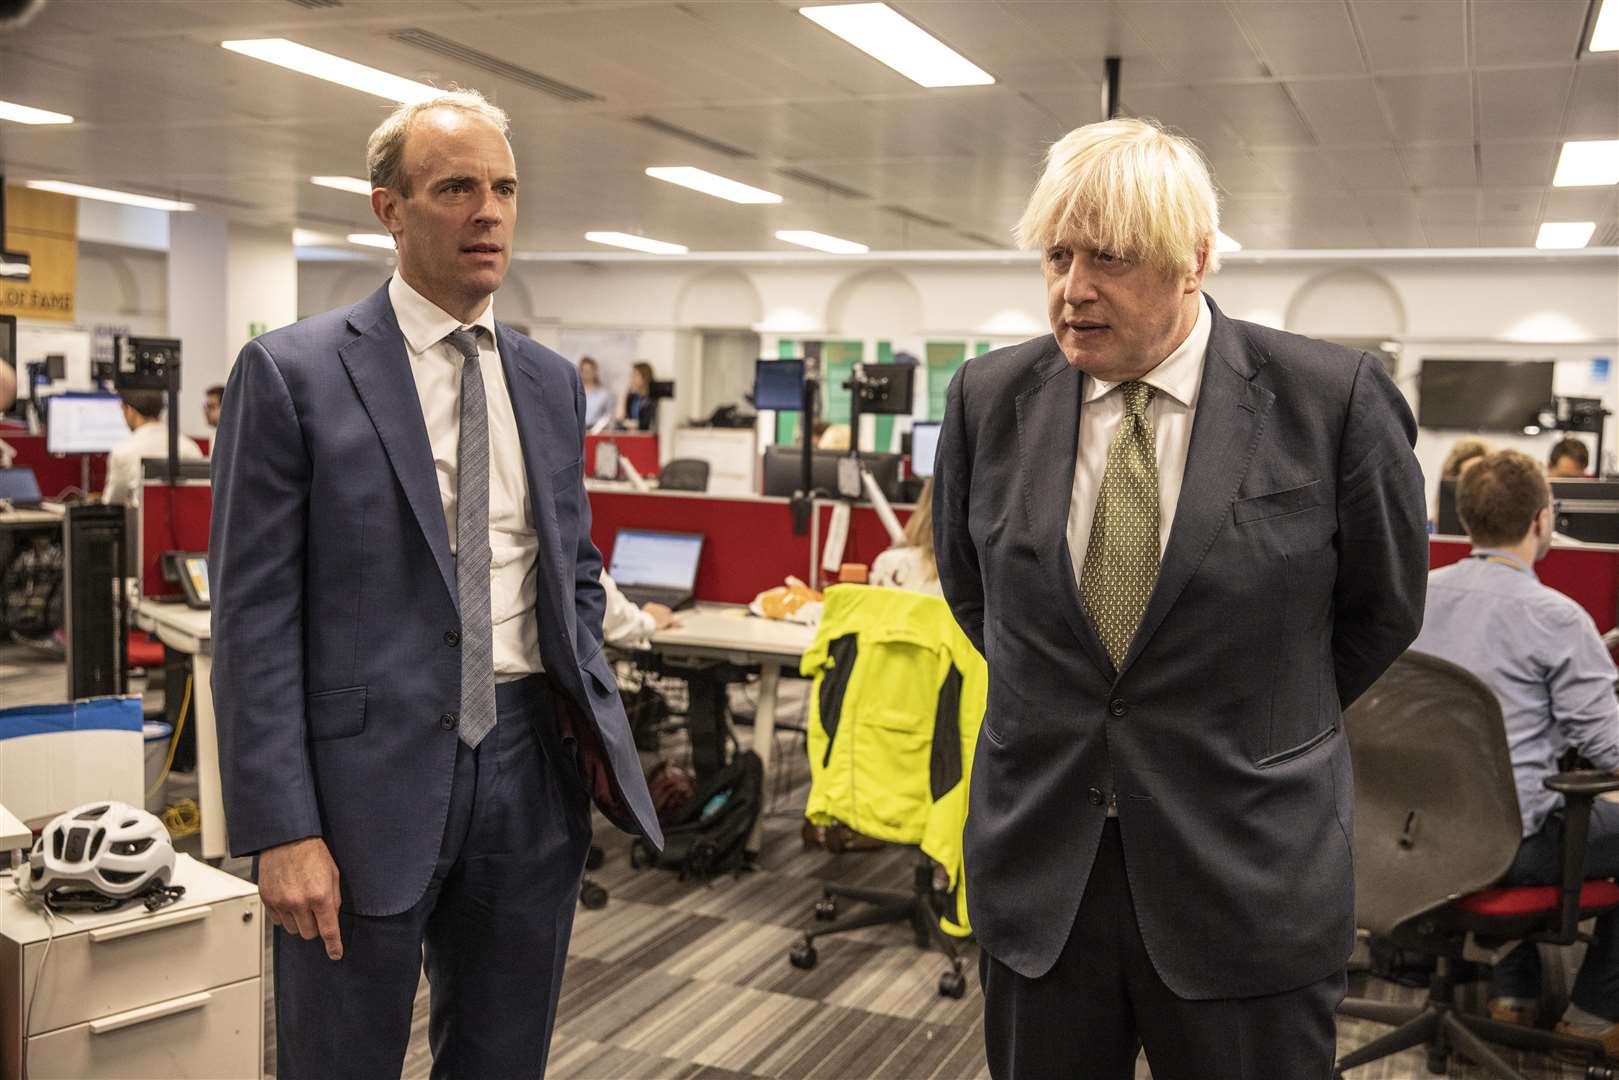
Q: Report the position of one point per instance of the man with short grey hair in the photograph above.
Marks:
(414, 707)
(1222, 529)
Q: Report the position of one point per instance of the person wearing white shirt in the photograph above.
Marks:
(628, 626)
(910, 565)
(148, 438)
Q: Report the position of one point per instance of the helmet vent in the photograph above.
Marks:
(56, 843)
(120, 877)
(95, 841)
(92, 813)
(75, 843)
(130, 847)
(130, 824)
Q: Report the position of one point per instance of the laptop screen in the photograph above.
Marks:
(924, 442)
(84, 423)
(662, 560)
(19, 486)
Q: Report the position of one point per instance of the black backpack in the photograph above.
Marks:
(708, 834)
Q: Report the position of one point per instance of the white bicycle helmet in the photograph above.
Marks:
(99, 855)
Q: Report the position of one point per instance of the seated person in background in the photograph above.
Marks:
(598, 399)
(910, 565)
(148, 438)
(833, 437)
(1540, 652)
(212, 399)
(640, 407)
(628, 626)
(8, 386)
(1461, 457)
(1569, 459)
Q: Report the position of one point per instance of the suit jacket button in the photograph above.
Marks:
(447, 721)
(1117, 707)
(1095, 796)
(452, 638)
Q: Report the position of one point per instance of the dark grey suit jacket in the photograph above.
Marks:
(1294, 574)
(335, 609)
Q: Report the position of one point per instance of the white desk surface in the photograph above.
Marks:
(177, 625)
(728, 631)
(13, 833)
(29, 517)
(203, 884)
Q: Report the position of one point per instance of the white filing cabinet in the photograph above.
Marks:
(732, 455)
(133, 994)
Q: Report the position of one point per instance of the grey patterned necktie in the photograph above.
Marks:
(1121, 561)
(472, 555)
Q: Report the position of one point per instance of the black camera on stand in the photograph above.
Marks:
(144, 363)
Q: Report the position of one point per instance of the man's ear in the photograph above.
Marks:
(385, 205)
(1194, 278)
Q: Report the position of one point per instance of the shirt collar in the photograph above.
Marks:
(1181, 373)
(423, 322)
(1502, 557)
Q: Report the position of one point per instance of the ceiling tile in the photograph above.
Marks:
(1409, 35)
(1429, 108)
(1580, 204)
(1342, 110)
(1517, 103)
(1261, 114)
(1388, 209)
(1593, 107)
(1525, 31)
(1448, 207)
(1194, 40)
(1302, 39)
(1516, 164)
(1299, 168)
(1517, 236)
(1452, 235)
(1367, 168)
(1504, 206)
(1440, 166)
(1399, 234)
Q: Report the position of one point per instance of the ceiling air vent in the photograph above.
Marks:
(463, 54)
(316, 5)
(831, 187)
(920, 219)
(674, 131)
(1607, 236)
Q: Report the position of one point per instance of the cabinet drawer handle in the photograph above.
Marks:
(150, 1012)
(143, 926)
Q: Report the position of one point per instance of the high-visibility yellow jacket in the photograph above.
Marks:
(894, 714)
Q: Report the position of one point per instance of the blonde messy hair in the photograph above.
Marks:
(1128, 187)
(385, 150)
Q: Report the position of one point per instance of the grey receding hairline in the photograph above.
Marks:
(385, 150)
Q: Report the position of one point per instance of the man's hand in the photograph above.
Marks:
(298, 884)
(661, 616)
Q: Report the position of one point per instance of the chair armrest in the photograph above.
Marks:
(1583, 783)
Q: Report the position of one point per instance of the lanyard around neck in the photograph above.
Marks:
(1503, 560)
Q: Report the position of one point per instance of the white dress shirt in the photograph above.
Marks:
(513, 543)
(150, 440)
(1171, 410)
(624, 624)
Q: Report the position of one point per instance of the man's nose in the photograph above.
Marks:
(1077, 285)
(489, 211)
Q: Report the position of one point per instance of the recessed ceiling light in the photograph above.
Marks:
(1588, 163)
(371, 239)
(25, 114)
(1222, 242)
(886, 35)
(1565, 234)
(344, 183)
(323, 65)
(636, 243)
(712, 184)
(821, 242)
(1605, 32)
(312, 238)
(105, 195)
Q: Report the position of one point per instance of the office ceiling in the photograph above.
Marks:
(1329, 123)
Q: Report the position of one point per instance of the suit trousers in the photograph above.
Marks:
(1103, 1002)
(491, 930)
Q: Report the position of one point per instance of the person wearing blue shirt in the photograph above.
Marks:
(1540, 653)
(598, 399)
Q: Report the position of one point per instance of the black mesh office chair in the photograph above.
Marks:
(684, 474)
(1436, 825)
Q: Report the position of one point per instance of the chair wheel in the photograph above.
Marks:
(594, 858)
(803, 955)
(826, 908)
(593, 896)
(1599, 1072)
(639, 857)
(952, 984)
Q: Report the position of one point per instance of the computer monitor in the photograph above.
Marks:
(84, 423)
(20, 487)
(924, 443)
(1585, 490)
(156, 469)
(778, 385)
(8, 339)
(1447, 522)
(662, 560)
(1483, 395)
(783, 471)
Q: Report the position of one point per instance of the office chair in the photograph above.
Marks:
(1437, 824)
(684, 474)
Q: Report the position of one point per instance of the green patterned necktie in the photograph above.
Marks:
(1121, 560)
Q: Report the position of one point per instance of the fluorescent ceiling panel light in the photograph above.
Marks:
(311, 238)
(1605, 34)
(323, 65)
(371, 239)
(821, 242)
(1588, 163)
(344, 183)
(1222, 242)
(1557, 235)
(886, 35)
(24, 114)
(636, 243)
(712, 184)
(105, 195)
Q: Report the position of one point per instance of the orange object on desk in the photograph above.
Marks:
(852, 573)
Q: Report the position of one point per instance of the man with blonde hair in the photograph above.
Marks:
(1226, 525)
(414, 708)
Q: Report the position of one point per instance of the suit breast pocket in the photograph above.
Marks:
(1275, 504)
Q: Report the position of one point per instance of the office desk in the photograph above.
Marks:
(190, 631)
(727, 632)
(13, 833)
(30, 519)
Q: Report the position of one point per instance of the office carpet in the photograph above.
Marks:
(688, 981)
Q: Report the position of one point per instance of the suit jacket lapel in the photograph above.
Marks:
(1048, 447)
(380, 370)
(1231, 412)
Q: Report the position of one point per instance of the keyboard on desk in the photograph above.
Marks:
(641, 595)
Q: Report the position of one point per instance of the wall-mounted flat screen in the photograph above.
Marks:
(1483, 395)
(778, 385)
(84, 423)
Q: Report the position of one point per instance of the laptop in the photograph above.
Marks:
(652, 567)
(19, 488)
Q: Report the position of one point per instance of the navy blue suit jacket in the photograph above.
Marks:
(335, 623)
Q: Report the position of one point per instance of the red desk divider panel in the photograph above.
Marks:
(56, 472)
(640, 450)
(185, 529)
(1589, 575)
